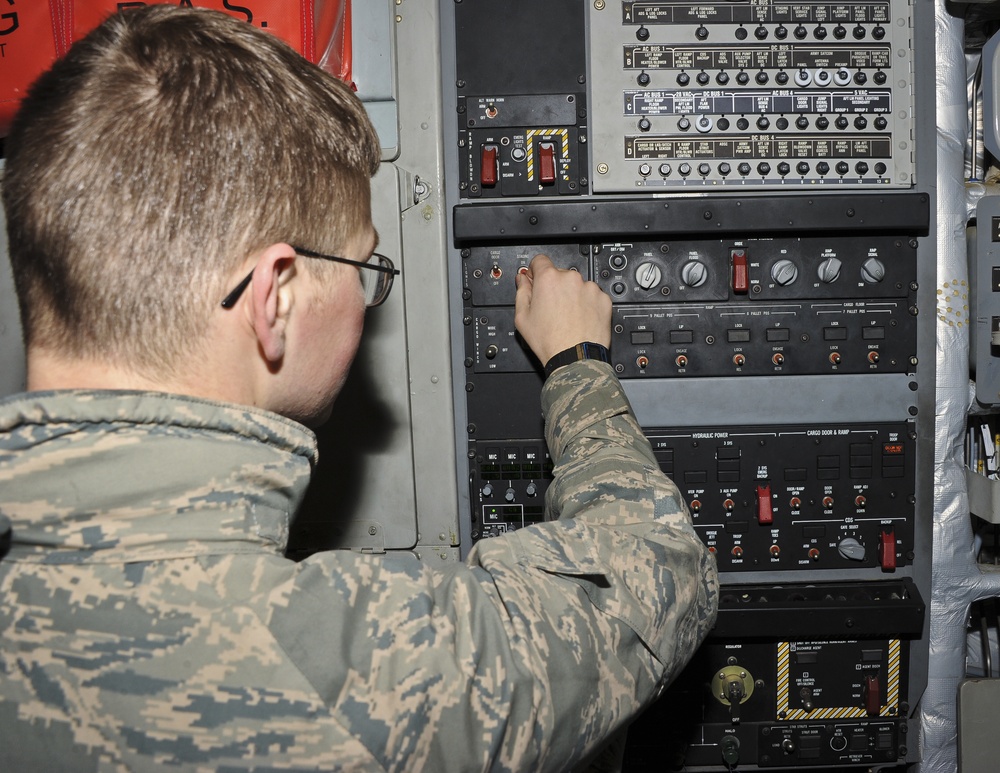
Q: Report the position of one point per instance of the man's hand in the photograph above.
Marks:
(556, 309)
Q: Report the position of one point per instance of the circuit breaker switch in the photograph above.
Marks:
(547, 163)
(887, 550)
(488, 166)
(741, 272)
(765, 514)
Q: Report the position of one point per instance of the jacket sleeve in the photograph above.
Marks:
(546, 643)
(617, 592)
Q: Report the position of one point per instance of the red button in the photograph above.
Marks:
(765, 515)
(547, 163)
(741, 272)
(488, 166)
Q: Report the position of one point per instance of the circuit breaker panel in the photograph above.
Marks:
(752, 185)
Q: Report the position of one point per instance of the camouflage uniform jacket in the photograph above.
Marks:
(149, 621)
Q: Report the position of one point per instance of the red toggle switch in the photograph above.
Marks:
(547, 163)
(887, 550)
(765, 515)
(488, 166)
(741, 272)
(873, 697)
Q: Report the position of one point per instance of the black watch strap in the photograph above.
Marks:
(587, 350)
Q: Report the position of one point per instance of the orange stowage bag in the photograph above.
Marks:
(30, 33)
(290, 20)
(39, 31)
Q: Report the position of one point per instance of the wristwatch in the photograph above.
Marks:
(587, 350)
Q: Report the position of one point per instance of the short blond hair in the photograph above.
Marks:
(153, 159)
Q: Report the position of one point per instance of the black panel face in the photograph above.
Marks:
(797, 704)
(742, 180)
(776, 499)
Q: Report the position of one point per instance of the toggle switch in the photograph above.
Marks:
(488, 166)
(873, 696)
(887, 550)
(547, 163)
(741, 272)
(765, 514)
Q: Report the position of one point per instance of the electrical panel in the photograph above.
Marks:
(752, 185)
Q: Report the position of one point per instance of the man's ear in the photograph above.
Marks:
(271, 300)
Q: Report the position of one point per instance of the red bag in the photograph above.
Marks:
(290, 20)
(39, 31)
(32, 36)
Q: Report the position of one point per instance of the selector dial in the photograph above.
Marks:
(873, 270)
(829, 270)
(784, 272)
(851, 549)
(694, 273)
(647, 275)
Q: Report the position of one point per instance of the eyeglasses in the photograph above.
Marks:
(376, 286)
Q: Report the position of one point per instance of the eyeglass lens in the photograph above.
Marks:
(376, 284)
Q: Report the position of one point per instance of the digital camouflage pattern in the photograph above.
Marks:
(149, 621)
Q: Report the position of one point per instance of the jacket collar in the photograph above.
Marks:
(113, 476)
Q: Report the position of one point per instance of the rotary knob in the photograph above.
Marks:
(647, 275)
(873, 270)
(851, 549)
(694, 273)
(829, 270)
(784, 272)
